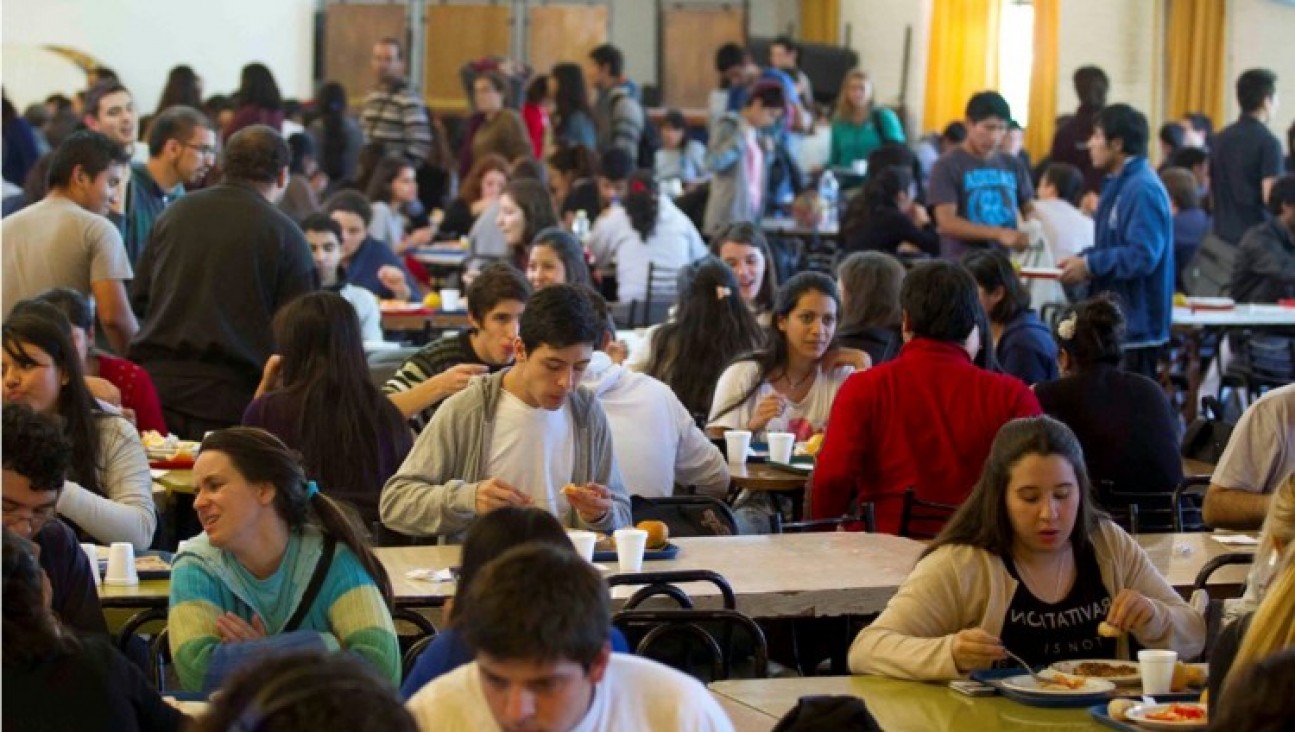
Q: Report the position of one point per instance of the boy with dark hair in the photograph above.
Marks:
(324, 237)
(369, 263)
(66, 241)
(1070, 143)
(1066, 229)
(618, 114)
(926, 419)
(1265, 266)
(539, 624)
(1133, 256)
(739, 157)
(182, 148)
(524, 436)
(1246, 159)
(496, 300)
(1191, 222)
(976, 190)
(36, 457)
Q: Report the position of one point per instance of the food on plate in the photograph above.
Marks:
(1058, 680)
(1118, 709)
(571, 489)
(1106, 630)
(1104, 670)
(1205, 698)
(432, 300)
(151, 563)
(1186, 675)
(1178, 713)
(153, 440)
(814, 444)
(658, 534)
(605, 543)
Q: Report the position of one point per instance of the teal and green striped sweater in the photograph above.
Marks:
(206, 583)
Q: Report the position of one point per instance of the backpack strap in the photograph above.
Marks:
(881, 129)
(316, 582)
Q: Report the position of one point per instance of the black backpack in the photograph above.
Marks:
(649, 135)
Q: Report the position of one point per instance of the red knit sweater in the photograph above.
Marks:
(925, 420)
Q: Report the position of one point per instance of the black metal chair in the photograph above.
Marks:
(867, 515)
(411, 656)
(687, 515)
(924, 513)
(656, 584)
(689, 624)
(1209, 568)
(1214, 608)
(424, 632)
(662, 289)
(1139, 511)
(1189, 500)
(159, 651)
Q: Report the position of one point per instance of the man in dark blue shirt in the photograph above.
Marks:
(1246, 159)
(1133, 257)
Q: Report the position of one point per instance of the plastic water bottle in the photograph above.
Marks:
(829, 192)
(580, 227)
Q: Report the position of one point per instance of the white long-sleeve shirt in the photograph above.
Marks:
(655, 440)
(127, 513)
(674, 243)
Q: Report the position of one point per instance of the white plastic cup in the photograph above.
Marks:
(738, 443)
(630, 545)
(584, 542)
(92, 554)
(1157, 669)
(780, 446)
(860, 167)
(121, 564)
(450, 300)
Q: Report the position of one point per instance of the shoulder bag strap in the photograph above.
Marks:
(316, 582)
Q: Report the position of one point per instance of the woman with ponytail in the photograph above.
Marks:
(647, 230)
(279, 567)
(337, 136)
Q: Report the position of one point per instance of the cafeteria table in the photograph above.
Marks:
(899, 706)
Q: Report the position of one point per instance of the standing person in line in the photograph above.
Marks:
(1070, 143)
(337, 136)
(977, 192)
(181, 150)
(495, 129)
(1246, 159)
(739, 158)
(259, 102)
(394, 119)
(573, 120)
(1133, 257)
(858, 125)
(618, 113)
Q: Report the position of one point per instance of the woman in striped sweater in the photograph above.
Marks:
(243, 588)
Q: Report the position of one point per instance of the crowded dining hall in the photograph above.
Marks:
(608, 365)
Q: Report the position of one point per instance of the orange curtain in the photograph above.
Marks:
(820, 21)
(1043, 78)
(962, 58)
(1195, 57)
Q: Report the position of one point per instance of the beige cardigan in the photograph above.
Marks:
(960, 587)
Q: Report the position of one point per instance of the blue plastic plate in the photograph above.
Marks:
(669, 552)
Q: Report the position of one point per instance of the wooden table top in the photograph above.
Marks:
(1196, 467)
(743, 717)
(766, 477)
(418, 320)
(901, 705)
(1180, 556)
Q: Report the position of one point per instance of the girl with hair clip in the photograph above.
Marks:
(108, 496)
(647, 230)
(744, 249)
(279, 567)
(1026, 564)
(54, 679)
(710, 327)
(1128, 429)
(316, 395)
(788, 386)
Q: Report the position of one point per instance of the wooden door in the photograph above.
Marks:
(349, 34)
(558, 33)
(689, 39)
(457, 34)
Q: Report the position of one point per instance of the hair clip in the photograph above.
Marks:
(722, 292)
(638, 186)
(1066, 328)
(312, 489)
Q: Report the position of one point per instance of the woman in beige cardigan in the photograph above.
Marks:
(1027, 563)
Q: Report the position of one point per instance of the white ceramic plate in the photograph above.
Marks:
(1211, 303)
(1027, 684)
(1041, 273)
(1068, 667)
(1138, 715)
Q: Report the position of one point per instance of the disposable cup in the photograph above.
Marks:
(1157, 669)
(92, 554)
(630, 544)
(121, 564)
(584, 542)
(450, 299)
(780, 446)
(737, 442)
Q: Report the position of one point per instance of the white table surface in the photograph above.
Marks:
(1244, 314)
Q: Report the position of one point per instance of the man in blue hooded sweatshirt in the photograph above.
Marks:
(1134, 256)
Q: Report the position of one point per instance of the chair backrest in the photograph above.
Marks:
(692, 626)
(662, 289)
(1209, 568)
(687, 515)
(1139, 511)
(656, 584)
(411, 655)
(923, 519)
(1269, 358)
(129, 639)
(867, 516)
(1189, 500)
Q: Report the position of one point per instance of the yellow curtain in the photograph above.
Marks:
(962, 57)
(1043, 78)
(1194, 58)
(820, 21)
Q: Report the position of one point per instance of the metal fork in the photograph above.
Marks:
(1037, 677)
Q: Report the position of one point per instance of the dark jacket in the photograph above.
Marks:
(1026, 349)
(1133, 257)
(1264, 270)
(75, 601)
(886, 230)
(881, 344)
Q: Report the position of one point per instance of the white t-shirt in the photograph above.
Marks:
(1261, 452)
(1067, 230)
(366, 309)
(533, 450)
(635, 694)
(804, 418)
(674, 243)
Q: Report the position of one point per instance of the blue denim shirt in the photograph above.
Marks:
(1134, 256)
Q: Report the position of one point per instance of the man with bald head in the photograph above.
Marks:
(220, 262)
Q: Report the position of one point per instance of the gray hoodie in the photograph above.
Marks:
(434, 493)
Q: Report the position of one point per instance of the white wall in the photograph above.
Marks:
(1261, 33)
(143, 39)
(1124, 38)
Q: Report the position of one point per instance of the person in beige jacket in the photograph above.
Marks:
(1029, 564)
